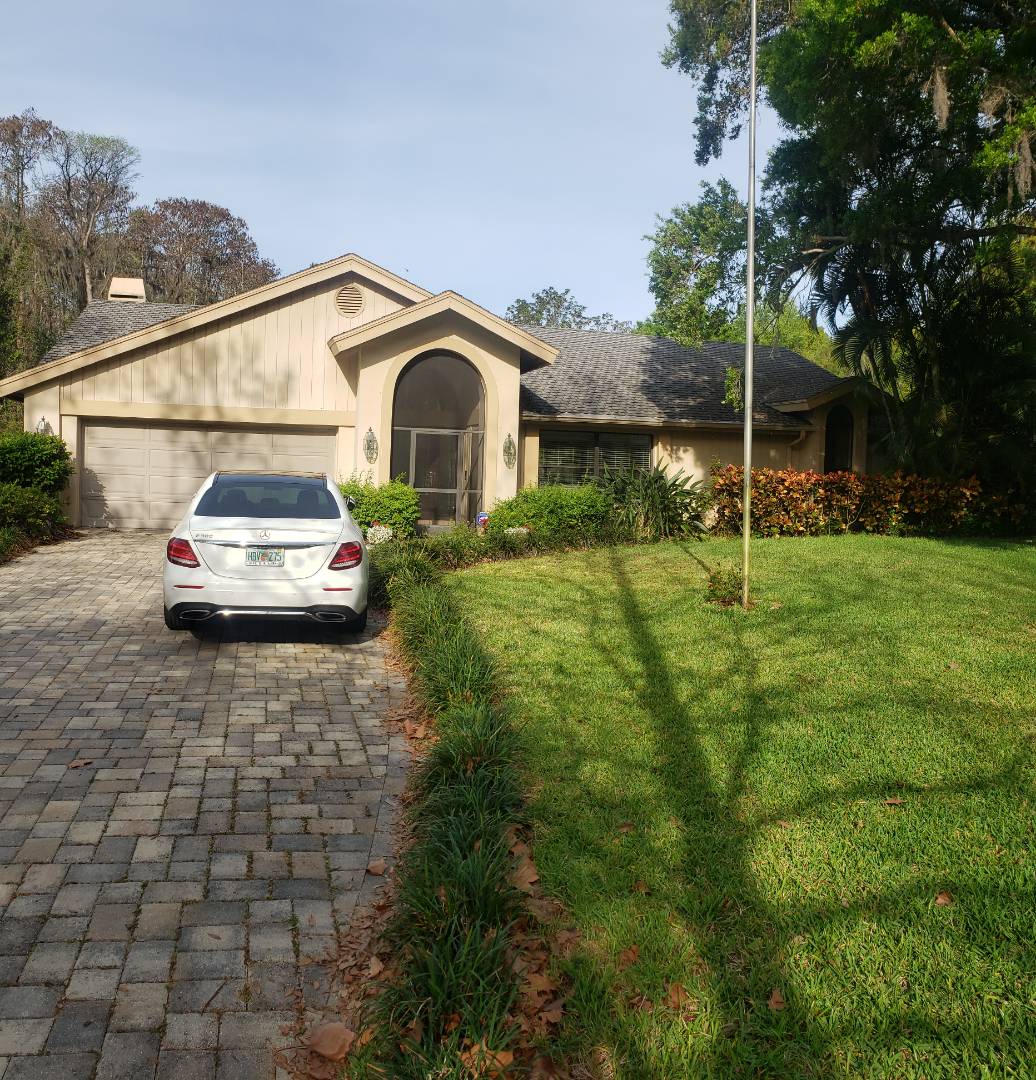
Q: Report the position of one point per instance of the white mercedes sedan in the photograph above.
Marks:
(266, 545)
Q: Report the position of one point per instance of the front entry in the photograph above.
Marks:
(438, 436)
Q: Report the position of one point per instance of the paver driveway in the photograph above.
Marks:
(182, 819)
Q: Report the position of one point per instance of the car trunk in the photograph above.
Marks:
(265, 549)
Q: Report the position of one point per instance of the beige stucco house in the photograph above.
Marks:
(348, 368)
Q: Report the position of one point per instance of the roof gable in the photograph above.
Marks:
(106, 333)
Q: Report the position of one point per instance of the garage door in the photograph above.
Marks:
(142, 476)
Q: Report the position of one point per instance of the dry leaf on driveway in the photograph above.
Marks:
(332, 1041)
(377, 867)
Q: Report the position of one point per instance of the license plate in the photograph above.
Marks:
(264, 556)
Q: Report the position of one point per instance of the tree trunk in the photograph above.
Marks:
(88, 281)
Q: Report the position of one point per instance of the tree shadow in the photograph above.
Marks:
(742, 930)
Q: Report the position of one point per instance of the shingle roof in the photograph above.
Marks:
(633, 377)
(105, 320)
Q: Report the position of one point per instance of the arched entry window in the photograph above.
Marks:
(438, 436)
(838, 440)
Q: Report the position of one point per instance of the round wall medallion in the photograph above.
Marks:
(510, 452)
(370, 446)
(349, 300)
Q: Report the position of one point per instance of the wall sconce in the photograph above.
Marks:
(370, 446)
(510, 452)
(43, 427)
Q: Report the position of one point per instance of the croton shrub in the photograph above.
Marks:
(788, 502)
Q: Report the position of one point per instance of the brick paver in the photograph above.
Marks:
(185, 821)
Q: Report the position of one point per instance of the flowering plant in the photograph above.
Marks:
(378, 534)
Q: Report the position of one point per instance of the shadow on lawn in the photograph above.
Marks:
(742, 934)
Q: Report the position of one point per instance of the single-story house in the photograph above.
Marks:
(348, 368)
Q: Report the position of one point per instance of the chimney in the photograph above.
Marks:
(128, 290)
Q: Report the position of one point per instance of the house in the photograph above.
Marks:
(348, 368)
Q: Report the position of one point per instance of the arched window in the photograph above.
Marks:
(838, 440)
(438, 436)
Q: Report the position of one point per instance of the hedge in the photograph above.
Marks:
(394, 504)
(569, 515)
(787, 502)
(27, 517)
(35, 461)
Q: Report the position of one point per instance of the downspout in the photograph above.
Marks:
(798, 441)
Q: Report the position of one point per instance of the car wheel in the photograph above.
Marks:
(174, 622)
(357, 625)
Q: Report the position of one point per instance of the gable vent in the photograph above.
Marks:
(349, 300)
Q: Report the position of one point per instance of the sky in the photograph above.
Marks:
(492, 147)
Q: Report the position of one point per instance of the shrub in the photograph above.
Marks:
(788, 502)
(406, 564)
(565, 515)
(653, 505)
(35, 461)
(723, 583)
(30, 512)
(394, 504)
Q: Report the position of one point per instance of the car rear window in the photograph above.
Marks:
(268, 499)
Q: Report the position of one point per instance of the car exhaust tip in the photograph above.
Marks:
(329, 616)
(196, 615)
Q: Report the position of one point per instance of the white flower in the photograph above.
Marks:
(517, 530)
(378, 534)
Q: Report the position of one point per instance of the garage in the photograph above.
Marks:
(141, 476)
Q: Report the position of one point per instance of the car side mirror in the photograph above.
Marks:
(350, 502)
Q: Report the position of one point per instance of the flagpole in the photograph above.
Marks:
(746, 498)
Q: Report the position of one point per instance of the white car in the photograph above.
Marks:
(266, 545)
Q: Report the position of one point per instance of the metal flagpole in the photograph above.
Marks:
(746, 497)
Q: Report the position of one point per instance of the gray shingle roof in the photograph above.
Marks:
(105, 320)
(632, 377)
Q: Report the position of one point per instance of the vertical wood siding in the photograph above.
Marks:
(273, 357)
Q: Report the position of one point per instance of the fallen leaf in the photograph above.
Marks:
(332, 1041)
(783, 824)
(453, 1022)
(775, 1002)
(376, 967)
(895, 801)
(377, 867)
(481, 1061)
(943, 899)
(552, 1013)
(525, 877)
(626, 827)
(676, 995)
(566, 940)
(640, 887)
(541, 984)
(628, 957)
(80, 763)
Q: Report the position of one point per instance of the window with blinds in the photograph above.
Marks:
(573, 457)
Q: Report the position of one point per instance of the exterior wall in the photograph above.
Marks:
(380, 363)
(694, 450)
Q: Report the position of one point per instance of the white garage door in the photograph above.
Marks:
(142, 476)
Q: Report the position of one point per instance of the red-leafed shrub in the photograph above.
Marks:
(787, 502)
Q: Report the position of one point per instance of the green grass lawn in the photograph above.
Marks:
(754, 754)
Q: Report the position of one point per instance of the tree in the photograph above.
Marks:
(194, 252)
(88, 197)
(697, 276)
(902, 193)
(559, 308)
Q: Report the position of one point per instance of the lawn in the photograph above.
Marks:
(816, 818)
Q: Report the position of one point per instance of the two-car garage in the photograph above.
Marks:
(141, 476)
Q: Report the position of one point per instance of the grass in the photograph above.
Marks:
(738, 768)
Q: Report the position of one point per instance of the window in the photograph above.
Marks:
(838, 440)
(268, 497)
(571, 457)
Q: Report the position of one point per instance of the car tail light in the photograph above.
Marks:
(347, 556)
(181, 553)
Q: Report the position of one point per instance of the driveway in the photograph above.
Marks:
(185, 821)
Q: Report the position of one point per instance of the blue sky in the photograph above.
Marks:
(488, 147)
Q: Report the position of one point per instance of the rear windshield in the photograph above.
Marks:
(268, 499)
